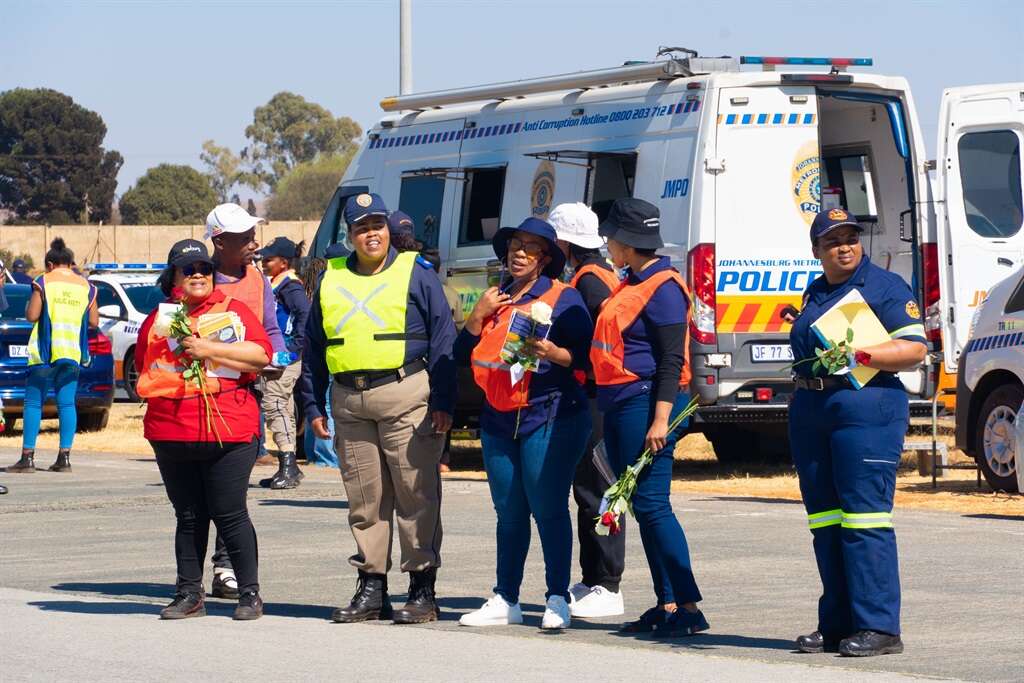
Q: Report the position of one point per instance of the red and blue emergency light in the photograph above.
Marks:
(809, 61)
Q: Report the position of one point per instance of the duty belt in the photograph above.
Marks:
(822, 383)
(361, 381)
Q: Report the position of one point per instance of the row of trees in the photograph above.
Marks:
(54, 169)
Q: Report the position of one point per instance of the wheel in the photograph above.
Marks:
(93, 422)
(131, 375)
(996, 439)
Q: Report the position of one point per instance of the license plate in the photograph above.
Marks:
(771, 353)
(17, 351)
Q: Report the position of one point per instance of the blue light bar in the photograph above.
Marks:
(809, 61)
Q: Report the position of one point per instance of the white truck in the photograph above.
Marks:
(737, 159)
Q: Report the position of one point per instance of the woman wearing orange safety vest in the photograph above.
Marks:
(205, 445)
(63, 306)
(534, 424)
(641, 365)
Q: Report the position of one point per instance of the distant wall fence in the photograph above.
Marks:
(129, 243)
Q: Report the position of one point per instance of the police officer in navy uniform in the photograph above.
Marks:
(380, 333)
(847, 443)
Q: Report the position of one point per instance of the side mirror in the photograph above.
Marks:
(110, 311)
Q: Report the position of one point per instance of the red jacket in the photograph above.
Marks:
(172, 419)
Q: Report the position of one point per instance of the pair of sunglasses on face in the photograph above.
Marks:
(532, 249)
(204, 269)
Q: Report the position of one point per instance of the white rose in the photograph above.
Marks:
(162, 325)
(601, 529)
(541, 313)
(620, 506)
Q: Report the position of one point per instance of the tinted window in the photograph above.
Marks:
(481, 205)
(990, 177)
(421, 197)
(106, 296)
(609, 178)
(17, 300)
(144, 297)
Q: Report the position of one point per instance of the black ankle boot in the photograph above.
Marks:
(421, 605)
(370, 601)
(63, 461)
(26, 464)
(288, 474)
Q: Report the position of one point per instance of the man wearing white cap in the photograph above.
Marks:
(233, 233)
(602, 558)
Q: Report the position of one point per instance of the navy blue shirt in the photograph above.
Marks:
(292, 311)
(427, 314)
(554, 390)
(667, 308)
(886, 293)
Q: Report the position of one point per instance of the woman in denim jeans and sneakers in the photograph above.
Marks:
(641, 366)
(534, 430)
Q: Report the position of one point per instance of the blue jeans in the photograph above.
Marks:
(319, 451)
(63, 377)
(625, 429)
(532, 475)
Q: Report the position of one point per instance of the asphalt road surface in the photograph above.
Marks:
(86, 561)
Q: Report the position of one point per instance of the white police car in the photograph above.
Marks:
(990, 384)
(125, 294)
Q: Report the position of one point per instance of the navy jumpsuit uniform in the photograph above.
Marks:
(846, 446)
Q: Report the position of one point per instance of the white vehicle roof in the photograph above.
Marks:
(125, 278)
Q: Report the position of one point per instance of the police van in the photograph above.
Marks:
(738, 159)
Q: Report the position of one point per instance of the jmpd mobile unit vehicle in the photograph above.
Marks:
(738, 162)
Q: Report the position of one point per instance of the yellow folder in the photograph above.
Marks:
(852, 312)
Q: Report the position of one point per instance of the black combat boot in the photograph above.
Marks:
(421, 606)
(370, 601)
(288, 474)
(870, 644)
(26, 464)
(63, 461)
(816, 642)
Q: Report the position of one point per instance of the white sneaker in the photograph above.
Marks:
(598, 602)
(577, 592)
(495, 612)
(556, 613)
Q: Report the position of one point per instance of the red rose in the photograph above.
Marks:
(611, 521)
(862, 358)
(178, 294)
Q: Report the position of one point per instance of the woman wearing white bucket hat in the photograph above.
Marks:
(602, 558)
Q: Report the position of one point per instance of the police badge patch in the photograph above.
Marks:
(364, 200)
(912, 310)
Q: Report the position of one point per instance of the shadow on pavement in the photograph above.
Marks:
(453, 608)
(81, 607)
(118, 589)
(713, 641)
(752, 499)
(1011, 518)
(340, 504)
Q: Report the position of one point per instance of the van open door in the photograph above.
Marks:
(979, 209)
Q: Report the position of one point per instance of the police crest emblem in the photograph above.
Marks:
(912, 310)
(364, 200)
(838, 215)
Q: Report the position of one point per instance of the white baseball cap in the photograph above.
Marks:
(229, 218)
(576, 224)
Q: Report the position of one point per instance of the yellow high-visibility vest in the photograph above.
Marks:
(61, 333)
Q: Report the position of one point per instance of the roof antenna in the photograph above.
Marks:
(666, 50)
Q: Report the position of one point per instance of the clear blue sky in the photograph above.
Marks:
(166, 76)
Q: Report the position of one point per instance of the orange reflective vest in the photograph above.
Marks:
(606, 276)
(490, 371)
(607, 350)
(162, 369)
(248, 289)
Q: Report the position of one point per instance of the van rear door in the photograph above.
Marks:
(979, 212)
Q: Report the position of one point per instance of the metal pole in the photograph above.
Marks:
(405, 47)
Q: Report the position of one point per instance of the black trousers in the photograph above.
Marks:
(602, 558)
(207, 482)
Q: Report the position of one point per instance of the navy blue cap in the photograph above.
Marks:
(534, 226)
(280, 246)
(399, 223)
(185, 252)
(19, 264)
(362, 205)
(828, 220)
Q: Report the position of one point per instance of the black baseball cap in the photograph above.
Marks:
(188, 251)
(19, 264)
(633, 222)
(280, 246)
(400, 222)
(828, 220)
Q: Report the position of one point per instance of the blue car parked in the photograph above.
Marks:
(95, 384)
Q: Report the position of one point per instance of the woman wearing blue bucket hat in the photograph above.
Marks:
(525, 341)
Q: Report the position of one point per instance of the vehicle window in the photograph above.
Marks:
(1015, 303)
(144, 296)
(851, 175)
(990, 177)
(106, 296)
(422, 197)
(481, 205)
(17, 300)
(610, 177)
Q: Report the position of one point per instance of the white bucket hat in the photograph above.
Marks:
(229, 218)
(576, 224)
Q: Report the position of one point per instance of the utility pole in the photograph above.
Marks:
(405, 47)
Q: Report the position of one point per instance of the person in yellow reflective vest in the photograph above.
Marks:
(62, 306)
(380, 332)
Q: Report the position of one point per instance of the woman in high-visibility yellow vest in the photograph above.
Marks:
(63, 306)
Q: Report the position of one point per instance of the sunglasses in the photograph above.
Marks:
(204, 269)
(531, 249)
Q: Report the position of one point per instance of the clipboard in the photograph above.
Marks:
(852, 312)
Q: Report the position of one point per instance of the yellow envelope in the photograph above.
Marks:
(852, 312)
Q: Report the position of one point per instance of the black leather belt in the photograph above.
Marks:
(361, 381)
(822, 383)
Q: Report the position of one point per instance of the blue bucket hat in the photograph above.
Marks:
(362, 205)
(828, 220)
(534, 226)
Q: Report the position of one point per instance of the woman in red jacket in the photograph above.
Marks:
(205, 446)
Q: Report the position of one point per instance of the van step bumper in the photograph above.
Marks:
(777, 413)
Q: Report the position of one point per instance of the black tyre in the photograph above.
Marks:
(995, 439)
(131, 375)
(93, 422)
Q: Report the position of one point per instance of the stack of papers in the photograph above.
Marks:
(852, 313)
(224, 327)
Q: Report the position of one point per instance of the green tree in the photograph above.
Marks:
(305, 192)
(53, 167)
(288, 131)
(223, 167)
(168, 194)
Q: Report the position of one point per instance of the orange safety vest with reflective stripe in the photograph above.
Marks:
(248, 289)
(607, 350)
(490, 371)
(606, 276)
(162, 370)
